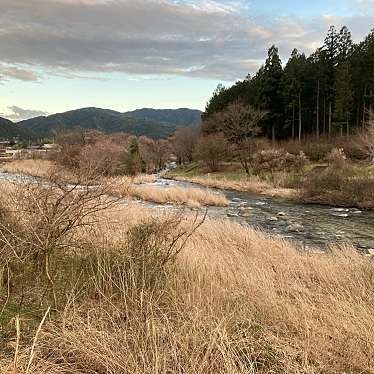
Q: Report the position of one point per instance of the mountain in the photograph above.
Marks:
(10, 130)
(142, 122)
(180, 117)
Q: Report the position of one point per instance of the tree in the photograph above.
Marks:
(132, 161)
(270, 96)
(183, 144)
(162, 152)
(211, 149)
(293, 83)
(345, 45)
(310, 93)
(240, 125)
(343, 103)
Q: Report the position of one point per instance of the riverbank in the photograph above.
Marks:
(231, 177)
(227, 299)
(348, 192)
(139, 186)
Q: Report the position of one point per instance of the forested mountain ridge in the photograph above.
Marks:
(179, 117)
(10, 130)
(105, 120)
(331, 91)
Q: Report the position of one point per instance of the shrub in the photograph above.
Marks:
(339, 184)
(211, 149)
(273, 160)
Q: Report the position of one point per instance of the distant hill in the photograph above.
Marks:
(179, 117)
(149, 122)
(10, 130)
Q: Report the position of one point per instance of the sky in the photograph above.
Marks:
(59, 55)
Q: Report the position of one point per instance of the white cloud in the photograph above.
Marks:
(16, 114)
(14, 72)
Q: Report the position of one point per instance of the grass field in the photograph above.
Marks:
(145, 292)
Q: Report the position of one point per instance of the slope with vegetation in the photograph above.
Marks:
(182, 117)
(10, 130)
(152, 125)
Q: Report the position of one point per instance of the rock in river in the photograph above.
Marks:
(295, 227)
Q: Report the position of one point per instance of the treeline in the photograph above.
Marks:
(329, 92)
(121, 153)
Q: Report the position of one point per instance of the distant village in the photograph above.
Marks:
(15, 149)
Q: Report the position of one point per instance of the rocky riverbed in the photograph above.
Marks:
(310, 226)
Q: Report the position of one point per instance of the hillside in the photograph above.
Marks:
(9, 130)
(179, 117)
(110, 121)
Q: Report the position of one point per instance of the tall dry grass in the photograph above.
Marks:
(253, 184)
(233, 300)
(36, 167)
(192, 197)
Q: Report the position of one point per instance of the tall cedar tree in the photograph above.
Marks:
(336, 84)
(270, 96)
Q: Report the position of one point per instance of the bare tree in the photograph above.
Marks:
(163, 150)
(240, 125)
(212, 149)
(183, 144)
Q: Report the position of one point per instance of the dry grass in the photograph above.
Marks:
(252, 185)
(235, 301)
(125, 186)
(238, 302)
(192, 197)
(36, 168)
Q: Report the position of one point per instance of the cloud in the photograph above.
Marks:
(206, 38)
(15, 72)
(17, 114)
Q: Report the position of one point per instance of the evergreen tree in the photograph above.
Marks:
(331, 46)
(270, 93)
(334, 83)
(293, 83)
(344, 97)
(345, 45)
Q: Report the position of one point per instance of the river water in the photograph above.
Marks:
(310, 226)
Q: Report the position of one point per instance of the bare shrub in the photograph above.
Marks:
(100, 158)
(211, 149)
(337, 158)
(272, 160)
(183, 143)
(365, 139)
(339, 184)
(240, 125)
(47, 216)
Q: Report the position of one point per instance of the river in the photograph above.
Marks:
(309, 226)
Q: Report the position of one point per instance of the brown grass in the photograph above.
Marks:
(252, 185)
(128, 186)
(237, 301)
(192, 197)
(36, 168)
(234, 301)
